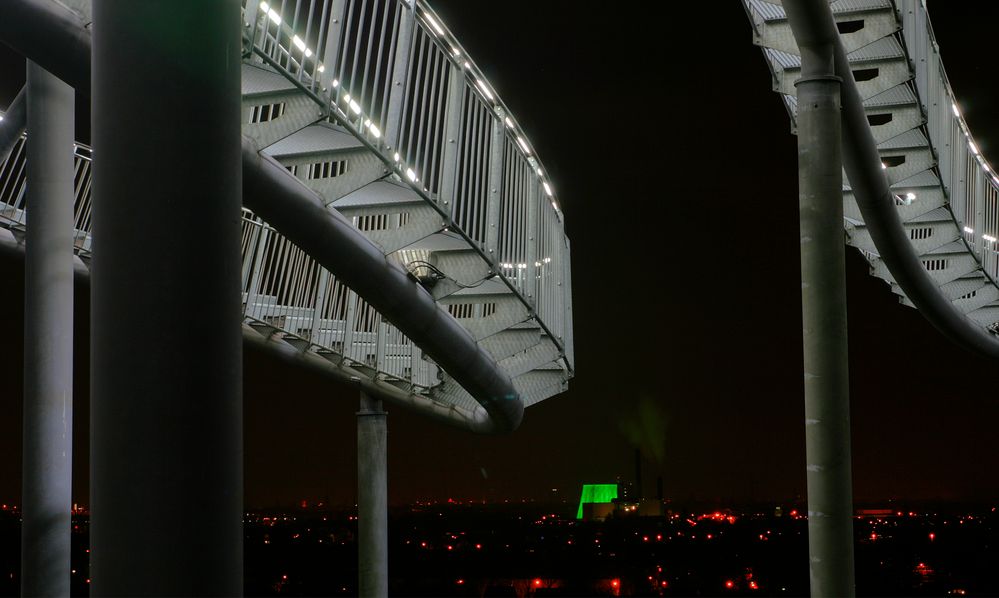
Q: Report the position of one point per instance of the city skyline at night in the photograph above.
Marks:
(721, 369)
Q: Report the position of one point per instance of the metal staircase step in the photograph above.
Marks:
(391, 215)
(501, 309)
(545, 351)
(539, 384)
(513, 340)
(861, 23)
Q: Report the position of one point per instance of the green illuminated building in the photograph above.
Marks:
(596, 494)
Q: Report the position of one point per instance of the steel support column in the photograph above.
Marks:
(824, 330)
(166, 413)
(372, 499)
(48, 338)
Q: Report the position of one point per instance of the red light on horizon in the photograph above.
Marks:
(615, 583)
(753, 585)
(459, 581)
(933, 536)
(537, 582)
(729, 584)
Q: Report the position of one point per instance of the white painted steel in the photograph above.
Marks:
(376, 106)
(947, 194)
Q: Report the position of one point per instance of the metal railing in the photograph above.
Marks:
(392, 74)
(286, 289)
(282, 286)
(426, 110)
(969, 184)
(12, 192)
(973, 183)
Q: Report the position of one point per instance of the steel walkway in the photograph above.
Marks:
(370, 116)
(943, 207)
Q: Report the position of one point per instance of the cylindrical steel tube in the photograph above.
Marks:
(824, 327)
(166, 413)
(48, 338)
(372, 499)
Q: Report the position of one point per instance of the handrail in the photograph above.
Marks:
(871, 188)
(354, 85)
(293, 209)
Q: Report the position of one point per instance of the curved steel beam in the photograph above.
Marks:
(813, 26)
(52, 36)
(57, 39)
(299, 214)
(14, 122)
(475, 420)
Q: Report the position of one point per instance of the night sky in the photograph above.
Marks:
(676, 170)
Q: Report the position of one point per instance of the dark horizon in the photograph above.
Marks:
(705, 375)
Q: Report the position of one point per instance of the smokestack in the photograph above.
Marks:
(638, 474)
(659, 488)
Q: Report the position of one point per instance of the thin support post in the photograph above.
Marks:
(400, 76)
(452, 137)
(166, 347)
(824, 330)
(372, 499)
(48, 338)
(497, 149)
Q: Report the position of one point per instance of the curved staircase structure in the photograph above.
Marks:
(399, 230)
(921, 202)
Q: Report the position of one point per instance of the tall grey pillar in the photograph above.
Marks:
(166, 361)
(48, 338)
(372, 500)
(823, 315)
